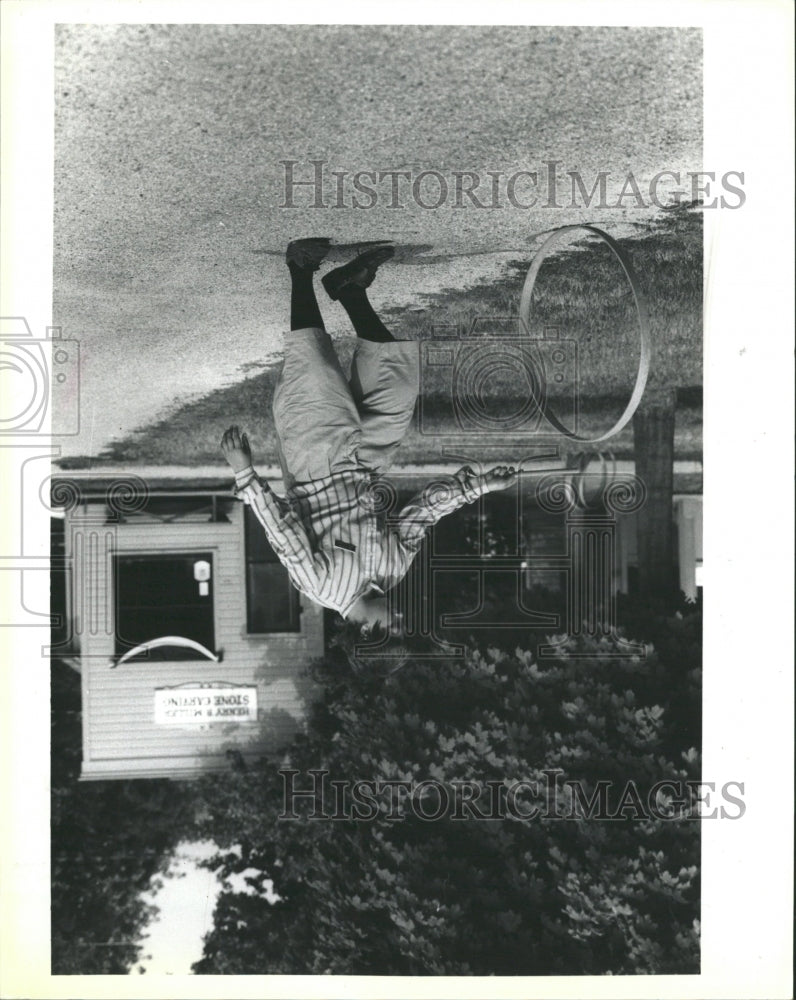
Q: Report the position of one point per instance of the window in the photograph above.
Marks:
(272, 602)
(165, 595)
(61, 636)
(188, 508)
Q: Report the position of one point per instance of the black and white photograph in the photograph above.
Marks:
(382, 616)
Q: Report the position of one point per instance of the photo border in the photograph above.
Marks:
(748, 325)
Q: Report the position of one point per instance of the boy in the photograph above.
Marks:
(335, 437)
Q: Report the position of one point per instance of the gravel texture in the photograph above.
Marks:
(168, 227)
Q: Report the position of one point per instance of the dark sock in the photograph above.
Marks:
(363, 318)
(304, 309)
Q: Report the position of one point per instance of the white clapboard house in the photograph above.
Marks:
(190, 639)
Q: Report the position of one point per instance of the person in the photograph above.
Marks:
(336, 438)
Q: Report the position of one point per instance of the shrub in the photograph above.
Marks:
(505, 896)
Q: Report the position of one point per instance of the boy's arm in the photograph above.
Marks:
(445, 495)
(284, 530)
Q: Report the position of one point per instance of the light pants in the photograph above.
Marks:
(326, 423)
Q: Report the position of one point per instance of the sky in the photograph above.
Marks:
(186, 901)
(170, 143)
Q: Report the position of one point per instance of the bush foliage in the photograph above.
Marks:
(110, 839)
(397, 894)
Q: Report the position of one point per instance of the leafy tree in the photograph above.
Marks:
(398, 894)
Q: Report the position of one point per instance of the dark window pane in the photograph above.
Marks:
(159, 579)
(272, 599)
(60, 634)
(158, 596)
(258, 548)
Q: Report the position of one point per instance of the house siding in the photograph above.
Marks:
(120, 736)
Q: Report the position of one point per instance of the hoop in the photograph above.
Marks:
(643, 327)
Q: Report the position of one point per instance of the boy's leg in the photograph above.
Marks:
(385, 372)
(385, 381)
(367, 325)
(315, 417)
(303, 260)
(348, 285)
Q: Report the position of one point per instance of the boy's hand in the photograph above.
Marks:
(236, 449)
(500, 478)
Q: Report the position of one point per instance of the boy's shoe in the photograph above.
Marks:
(308, 253)
(360, 271)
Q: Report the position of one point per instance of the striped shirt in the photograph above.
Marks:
(338, 538)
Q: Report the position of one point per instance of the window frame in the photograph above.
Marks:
(155, 554)
(250, 523)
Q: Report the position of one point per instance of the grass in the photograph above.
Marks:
(582, 292)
